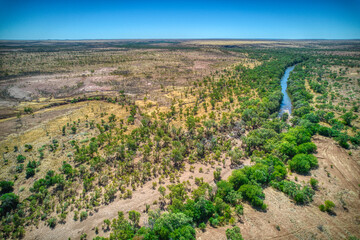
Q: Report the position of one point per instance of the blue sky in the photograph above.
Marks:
(63, 19)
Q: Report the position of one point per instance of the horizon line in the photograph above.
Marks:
(241, 39)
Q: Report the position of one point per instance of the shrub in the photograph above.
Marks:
(28, 147)
(19, 168)
(238, 178)
(28, 110)
(214, 222)
(83, 215)
(217, 174)
(30, 172)
(76, 215)
(172, 225)
(308, 148)
(289, 149)
(9, 201)
(295, 191)
(297, 135)
(253, 194)
(51, 222)
(73, 129)
(239, 209)
(327, 206)
(202, 226)
(134, 217)
(302, 163)
(348, 117)
(20, 158)
(31, 164)
(314, 183)
(343, 141)
(233, 233)
(325, 131)
(6, 186)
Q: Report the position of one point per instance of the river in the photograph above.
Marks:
(286, 105)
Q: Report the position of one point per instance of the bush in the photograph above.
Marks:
(238, 178)
(170, 224)
(297, 135)
(306, 148)
(20, 158)
(134, 217)
(233, 234)
(31, 164)
(214, 222)
(202, 210)
(6, 186)
(325, 131)
(9, 201)
(343, 141)
(19, 168)
(52, 222)
(239, 209)
(302, 163)
(314, 183)
(289, 149)
(348, 117)
(83, 215)
(217, 175)
(223, 189)
(253, 194)
(327, 206)
(28, 147)
(30, 172)
(300, 195)
(202, 226)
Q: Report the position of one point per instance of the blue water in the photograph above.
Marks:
(286, 105)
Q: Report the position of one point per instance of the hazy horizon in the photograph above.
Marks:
(185, 39)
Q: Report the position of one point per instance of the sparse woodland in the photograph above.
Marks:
(233, 117)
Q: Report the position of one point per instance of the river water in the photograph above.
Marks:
(286, 105)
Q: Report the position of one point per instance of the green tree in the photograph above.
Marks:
(134, 217)
(168, 223)
(302, 163)
(233, 233)
(20, 158)
(6, 186)
(121, 228)
(9, 201)
(314, 183)
(254, 195)
(177, 156)
(190, 123)
(328, 206)
(217, 175)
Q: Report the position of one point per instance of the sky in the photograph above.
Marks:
(251, 19)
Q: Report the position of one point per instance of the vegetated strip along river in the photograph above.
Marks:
(286, 105)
